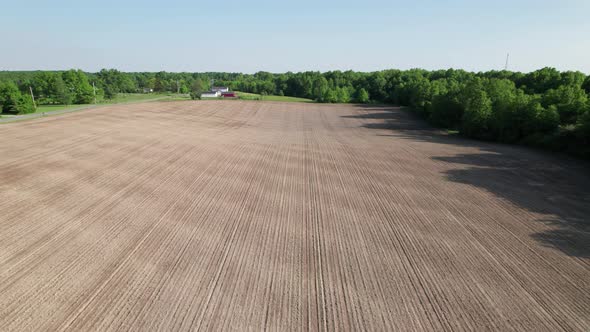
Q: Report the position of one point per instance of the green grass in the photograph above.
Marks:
(119, 99)
(138, 97)
(287, 99)
(254, 96)
(50, 108)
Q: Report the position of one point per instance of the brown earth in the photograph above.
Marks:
(250, 215)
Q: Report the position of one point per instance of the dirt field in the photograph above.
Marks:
(248, 215)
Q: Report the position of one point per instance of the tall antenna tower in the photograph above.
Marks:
(507, 57)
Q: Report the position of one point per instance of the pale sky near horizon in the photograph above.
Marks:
(280, 36)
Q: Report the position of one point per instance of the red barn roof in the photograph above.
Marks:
(229, 94)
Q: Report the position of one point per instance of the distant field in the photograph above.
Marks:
(254, 96)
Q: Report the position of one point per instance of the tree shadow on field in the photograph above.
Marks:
(553, 185)
(389, 117)
(558, 192)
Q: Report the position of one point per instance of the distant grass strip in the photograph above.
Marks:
(52, 108)
(254, 96)
(121, 98)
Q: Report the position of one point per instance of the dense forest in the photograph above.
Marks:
(544, 108)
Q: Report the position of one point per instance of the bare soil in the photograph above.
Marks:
(234, 215)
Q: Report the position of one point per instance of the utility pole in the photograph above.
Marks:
(94, 88)
(33, 97)
(506, 65)
(178, 86)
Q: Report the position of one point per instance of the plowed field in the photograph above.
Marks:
(240, 215)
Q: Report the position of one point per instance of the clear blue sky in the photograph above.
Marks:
(279, 36)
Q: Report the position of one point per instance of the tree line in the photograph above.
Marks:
(18, 88)
(546, 108)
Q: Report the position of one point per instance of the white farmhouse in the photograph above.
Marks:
(211, 94)
(220, 88)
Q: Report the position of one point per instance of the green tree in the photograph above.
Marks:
(127, 84)
(583, 126)
(42, 84)
(196, 89)
(376, 85)
(77, 82)
(60, 92)
(12, 100)
(110, 81)
(161, 82)
(342, 95)
(24, 104)
(545, 120)
(110, 92)
(320, 88)
(330, 96)
(572, 78)
(9, 96)
(509, 109)
(184, 87)
(265, 87)
(447, 110)
(477, 110)
(586, 85)
(541, 80)
(582, 142)
(419, 92)
(362, 96)
(570, 102)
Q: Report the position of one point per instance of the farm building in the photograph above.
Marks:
(211, 94)
(229, 94)
(220, 89)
